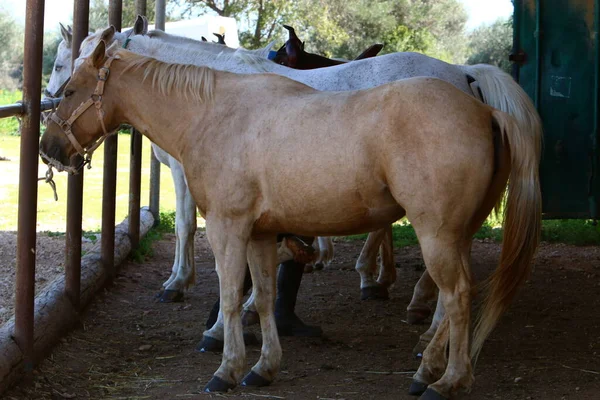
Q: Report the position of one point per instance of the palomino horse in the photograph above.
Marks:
(418, 148)
(292, 54)
(498, 89)
(183, 270)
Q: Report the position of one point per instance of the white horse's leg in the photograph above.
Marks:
(366, 266)
(324, 246)
(229, 241)
(426, 337)
(425, 290)
(387, 270)
(185, 228)
(262, 259)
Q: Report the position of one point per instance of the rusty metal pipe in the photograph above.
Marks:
(109, 185)
(135, 168)
(27, 214)
(81, 10)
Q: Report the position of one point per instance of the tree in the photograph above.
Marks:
(99, 13)
(11, 52)
(491, 44)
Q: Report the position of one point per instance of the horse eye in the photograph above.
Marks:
(58, 68)
(69, 93)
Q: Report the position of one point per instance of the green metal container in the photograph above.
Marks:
(556, 57)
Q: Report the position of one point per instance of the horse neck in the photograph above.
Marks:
(137, 103)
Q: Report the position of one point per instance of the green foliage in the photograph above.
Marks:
(11, 52)
(166, 225)
(9, 126)
(571, 231)
(99, 13)
(491, 44)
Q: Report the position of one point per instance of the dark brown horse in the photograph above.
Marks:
(292, 54)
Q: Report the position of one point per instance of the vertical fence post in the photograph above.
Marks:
(135, 168)
(28, 166)
(81, 10)
(109, 183)
(154, 163)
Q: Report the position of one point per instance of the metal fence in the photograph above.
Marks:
(29, 110)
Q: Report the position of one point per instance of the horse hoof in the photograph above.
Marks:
(417, 316)
(293, 326)
(374, 293)
(254, 379)
(431, 394)
(319, 266)
(419, 349)
(217, 384)
(250, 318)
(171, 296)
(308, 268)
(211, 344)
(417, 388)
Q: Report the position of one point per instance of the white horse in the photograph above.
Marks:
(498, 89)
(419, 148)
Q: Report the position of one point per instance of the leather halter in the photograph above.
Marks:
(96, 100)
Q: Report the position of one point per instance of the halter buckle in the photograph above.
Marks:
(103, 73)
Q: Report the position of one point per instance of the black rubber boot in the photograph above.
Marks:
(214, 313)
(288, 284)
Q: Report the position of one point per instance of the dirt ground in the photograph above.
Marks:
(128, 346)
(50, 256)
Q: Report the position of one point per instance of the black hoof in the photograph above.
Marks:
(254, 379)
(431, 394)
(171, 296)
(211, 344)
(293, 326)
(319, 266)
(417, 316)
(374, 293)
(217, 384)
(417, 388)
(250, 318)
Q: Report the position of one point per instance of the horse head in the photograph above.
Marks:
(82, 120)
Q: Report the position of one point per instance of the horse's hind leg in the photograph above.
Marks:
(325, 248)
(448, 262)
(366, 266)
(262, 258)
(418, 310)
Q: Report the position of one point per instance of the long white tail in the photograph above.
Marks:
(503, 93)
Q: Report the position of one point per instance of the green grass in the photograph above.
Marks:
(570, 231)
(9, 126)
(166, 225)
(52, 215)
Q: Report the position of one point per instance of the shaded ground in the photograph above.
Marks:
(130, 347)
(50, 257)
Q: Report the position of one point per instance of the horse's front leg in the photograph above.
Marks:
(366, 266)
(228, 239)
(184, 271)
(325, 248)
(262, 259)
(387, 270)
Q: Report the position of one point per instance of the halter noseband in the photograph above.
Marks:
(96, 100)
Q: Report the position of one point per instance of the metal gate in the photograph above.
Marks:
(556, 57)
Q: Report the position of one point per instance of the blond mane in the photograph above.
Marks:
(189, 80)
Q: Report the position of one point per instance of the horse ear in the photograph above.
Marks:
(108, 34)
(140, 27)
(99, 54)
(302, 46)
(66, 34)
